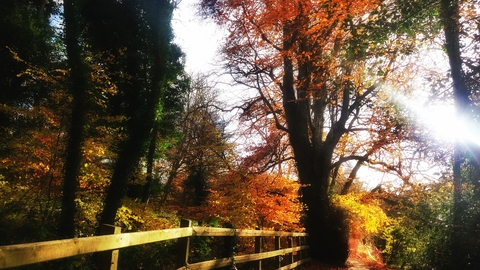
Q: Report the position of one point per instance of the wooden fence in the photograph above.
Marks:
(108, 246)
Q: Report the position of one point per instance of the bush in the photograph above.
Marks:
(419, 235)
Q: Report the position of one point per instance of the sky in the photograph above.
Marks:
(198, 38)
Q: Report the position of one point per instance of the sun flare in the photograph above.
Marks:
(444, 124)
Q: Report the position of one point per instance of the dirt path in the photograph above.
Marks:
(350, 265)
(356, 265)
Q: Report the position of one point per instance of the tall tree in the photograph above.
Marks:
(318, 67)
(165, 128)
(145, 51)
(202, 151)
(78, 85)
(466, 154)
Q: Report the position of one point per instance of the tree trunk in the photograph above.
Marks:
(78, 83)
(450, 12)
(125, 165)
(451, 24)
(328, 236)
(351, 177)
(150, 163)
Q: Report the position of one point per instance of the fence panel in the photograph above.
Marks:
(24, 254)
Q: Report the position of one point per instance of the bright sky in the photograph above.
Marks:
(199, 39)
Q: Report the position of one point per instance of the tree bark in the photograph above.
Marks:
(351, 177)
(150, 164)
(461, 96)
(78, 83)
(450, 12)
(327, 234)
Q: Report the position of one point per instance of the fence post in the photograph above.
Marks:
(279, 258)
(183, 245)
(229, 246)
(108, 260)
(300, 252)
(305, 251)
(290, 258)
(258, 249)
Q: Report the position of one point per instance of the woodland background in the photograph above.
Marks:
(100, 123)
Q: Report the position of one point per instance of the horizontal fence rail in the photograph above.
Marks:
(25, 254)
(243, 259)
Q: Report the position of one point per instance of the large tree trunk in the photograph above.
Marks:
(78, 83)
(328, 236)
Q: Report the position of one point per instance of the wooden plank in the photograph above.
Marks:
(240, 259)
(24, 254)
(108, 260)
(278, 259)
(208, 264)
(258, 250)
(183, 245)
(265, 255)
(210, 231)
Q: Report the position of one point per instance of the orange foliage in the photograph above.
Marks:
(257, 201)
(246, 201)
(260, 31)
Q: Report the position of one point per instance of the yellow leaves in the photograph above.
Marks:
(103, 81)
(365, 212)
(127, 219)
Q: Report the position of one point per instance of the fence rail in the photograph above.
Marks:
(108, 245)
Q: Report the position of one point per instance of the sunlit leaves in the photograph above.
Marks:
(265, 201)
(366, 213)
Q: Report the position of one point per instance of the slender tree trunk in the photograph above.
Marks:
(78, 83)
(450, 12)
(125, 165)
(451, 16)
(139, 125)
(351, 177)
(171, 176)
(150, 163)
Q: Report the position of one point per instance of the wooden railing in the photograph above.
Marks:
(108, 247)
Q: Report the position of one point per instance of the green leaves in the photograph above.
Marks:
(419, 233)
